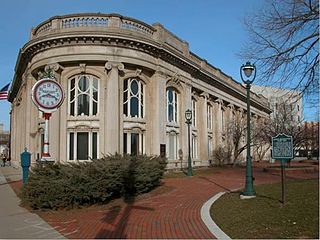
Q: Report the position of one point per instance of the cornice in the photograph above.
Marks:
(138, 43)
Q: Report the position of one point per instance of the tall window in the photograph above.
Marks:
(210, 147)
(83, 95)
(209, 116)
(173, 146)
(133, 98)
(133, 143)
(172, 105)
(194, 112)
(83, 145)
(194, 147)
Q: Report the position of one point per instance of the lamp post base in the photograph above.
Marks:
(243, 197)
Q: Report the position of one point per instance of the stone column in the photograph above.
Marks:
(203, 128)
(185, 104)
(156, 133)
(230, 124)
(217, 125)
(112, 110)
(22, 115)
(31, 120)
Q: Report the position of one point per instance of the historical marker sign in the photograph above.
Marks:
(282, 147)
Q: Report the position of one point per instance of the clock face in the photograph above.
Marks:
(47, 94)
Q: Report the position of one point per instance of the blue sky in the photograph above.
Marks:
(213, 28)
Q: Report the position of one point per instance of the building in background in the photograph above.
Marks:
(282, 102)
(127, 86)
(4, 141)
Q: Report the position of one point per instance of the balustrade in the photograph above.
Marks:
(127, 24)
(84, 22)
(90, 21)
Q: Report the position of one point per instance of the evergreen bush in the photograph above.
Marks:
(71, 185)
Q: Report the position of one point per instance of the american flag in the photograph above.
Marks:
(4, 92)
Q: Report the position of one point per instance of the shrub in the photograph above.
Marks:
(58, 185)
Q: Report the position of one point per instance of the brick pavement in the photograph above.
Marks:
(173, 214)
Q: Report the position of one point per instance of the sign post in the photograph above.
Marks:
(48, 95)
(282, 150)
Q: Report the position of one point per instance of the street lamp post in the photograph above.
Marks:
(248, 69)
(188, 116)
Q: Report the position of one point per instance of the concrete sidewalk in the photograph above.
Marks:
(15, 221)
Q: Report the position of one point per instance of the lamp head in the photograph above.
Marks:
(188, 115)
(248, 69)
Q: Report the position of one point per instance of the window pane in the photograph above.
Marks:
(71, 146)
(83, 83)
(94, 108)
(83, 104)
(170, 113)
(125, 109)
(170, 96)
(134, 144)
(72, 95)
(94, 145)
(95, 94)
(125, 143)
(134, 107)
(95, 83)
(125, 98)
(134, 87)
(82, 146)
(72, 109)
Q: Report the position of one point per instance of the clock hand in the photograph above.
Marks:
(48, 95)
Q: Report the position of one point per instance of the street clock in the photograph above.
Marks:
(47, 95)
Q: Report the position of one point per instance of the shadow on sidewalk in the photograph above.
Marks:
(119, 218)
(217, 184)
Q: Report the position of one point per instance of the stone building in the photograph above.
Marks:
(127, 86)
(4, 141)
(282, 101)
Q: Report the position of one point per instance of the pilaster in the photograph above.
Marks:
(112, 110)
(217, 115)
(156, 134)
(185, 104)
(202, 128)
(32, 134)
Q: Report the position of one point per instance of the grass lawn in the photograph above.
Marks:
(264, 217)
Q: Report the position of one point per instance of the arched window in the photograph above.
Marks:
(172, 105)
(133, 98)
(83, 95)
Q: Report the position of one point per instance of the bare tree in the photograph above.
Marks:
(284, 44)
(285, 122)
(234, 135)
(232, 142)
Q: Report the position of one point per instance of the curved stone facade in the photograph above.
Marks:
(127, 86)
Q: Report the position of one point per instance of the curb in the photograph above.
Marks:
(206, 218)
